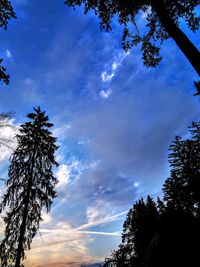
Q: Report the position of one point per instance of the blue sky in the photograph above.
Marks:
(114, 120)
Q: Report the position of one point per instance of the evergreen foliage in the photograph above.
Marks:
(161, 19)
(166, 233)
(30, 187)
(182, 188)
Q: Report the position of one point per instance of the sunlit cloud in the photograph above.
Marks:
(7, 139)
(62, 131)
(61, 242)
(63, 175)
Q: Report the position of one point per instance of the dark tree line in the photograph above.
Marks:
(162, 20)
(166, 232)
(30, 187)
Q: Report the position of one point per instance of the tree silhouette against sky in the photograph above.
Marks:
(162, 19)
(30, 187)
(166, 233)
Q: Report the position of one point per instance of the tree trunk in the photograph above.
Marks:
(25, 214)
(182, 41)
(22, 229)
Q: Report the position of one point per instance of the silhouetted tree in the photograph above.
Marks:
(166, 233)
(162, 21)
(30, 187)
(6, 13)
(138, 230)
(178, 228)
(182, 188)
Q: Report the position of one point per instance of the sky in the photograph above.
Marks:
(113, 118)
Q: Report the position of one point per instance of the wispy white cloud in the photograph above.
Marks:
(106, 219)
(7, 141)
(71, 170)
(8, 53)
(61, 232)
(63, 175)
(107, 77)
(109, 72)
(101, 233)
(61, 132)
(105, 93)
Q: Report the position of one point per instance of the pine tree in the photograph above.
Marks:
(30, 187)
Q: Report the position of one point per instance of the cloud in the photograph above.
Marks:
(101, 233)
(63, 175)
(107, 75)
(110, 71)
(8, 54)
(105, 93)
(7, 141)
(106, 219)
(61, 132)
(61, 241)
(130, 136)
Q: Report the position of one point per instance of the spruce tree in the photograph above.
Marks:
(30, 187)
(182, 188)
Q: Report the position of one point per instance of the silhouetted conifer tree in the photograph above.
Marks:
(162, 21)
(167, 233)
(182, 188)
(30, 187)
(138, 230)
